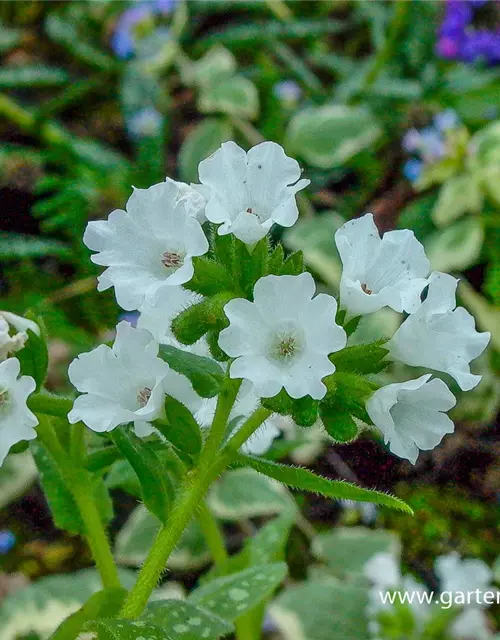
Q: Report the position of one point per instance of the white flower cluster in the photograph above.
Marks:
(393, 271)
(462, 586)
(283, 337)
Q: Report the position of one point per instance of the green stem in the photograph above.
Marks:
(95, 533)
(214, 537)
(185, 506)
(78, 483)
(50, 405)
(259, 416)
(225, 403)
(280, 10)
(385, 52)
(247, 130)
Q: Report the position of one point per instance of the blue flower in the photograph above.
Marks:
(447, 120)
(288, 91)
(7, 541)
(125, 37)
(412, 169)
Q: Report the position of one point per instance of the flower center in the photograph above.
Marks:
(143, 396)
(286, 344)
(4, 399)
(366, 290)
(172, 260)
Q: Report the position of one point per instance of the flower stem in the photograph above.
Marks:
(214, 537)
(259, 416)
(385, 52)
(95, 532)
(185, 506)
(78, 483)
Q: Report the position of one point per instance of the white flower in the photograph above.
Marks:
(383, 570)
(147, 247)
(248, 192)
(463, 576)
(17, 422)
(125, 383)
(284, 337)
(471, 624)
(440, 337)
(191, 196)
(409, 415)
(379, 272)
(157, 318)
(10, 341)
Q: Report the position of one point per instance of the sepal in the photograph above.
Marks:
(207, 315)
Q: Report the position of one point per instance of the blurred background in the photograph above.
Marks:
(390, 107)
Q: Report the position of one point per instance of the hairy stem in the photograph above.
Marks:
(214, 537)
(185, 506)
(78, 483)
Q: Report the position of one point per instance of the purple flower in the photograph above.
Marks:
(124, 38)
(411, 141)
(446, 120)
(288, 91)
(459, 40)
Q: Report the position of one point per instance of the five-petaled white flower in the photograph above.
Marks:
(284, 337)
(125, 383)
(439, 336)
(410, 415)
(379, 272)
(17, 422)
(148, 246)
(463, 576)
(248, 192)
(14, 333)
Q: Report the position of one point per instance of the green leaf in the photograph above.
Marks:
(330, 136)
(43, 605)
(32, 76)
(346, 550)
(122, 476)
(348, 392)
(205, 138)
(136, 537)
(321, 610)
(181, 429)
(103, 604)
(185, 621)
(361, 358)
(205, 374)
(456, 247)
(235, 96)
(416, 216)
(243, 493)
(62, 505)
(17, 474)
(276, 260)
(458, 195)
(124, 630)
(231, 596)
(34, 356)
(216, 65)
(156, 486)
(209, 277)
(18, 246)
(315, 237)
(294, 264)
(305, 480)
(338, 424)
(304, 411)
